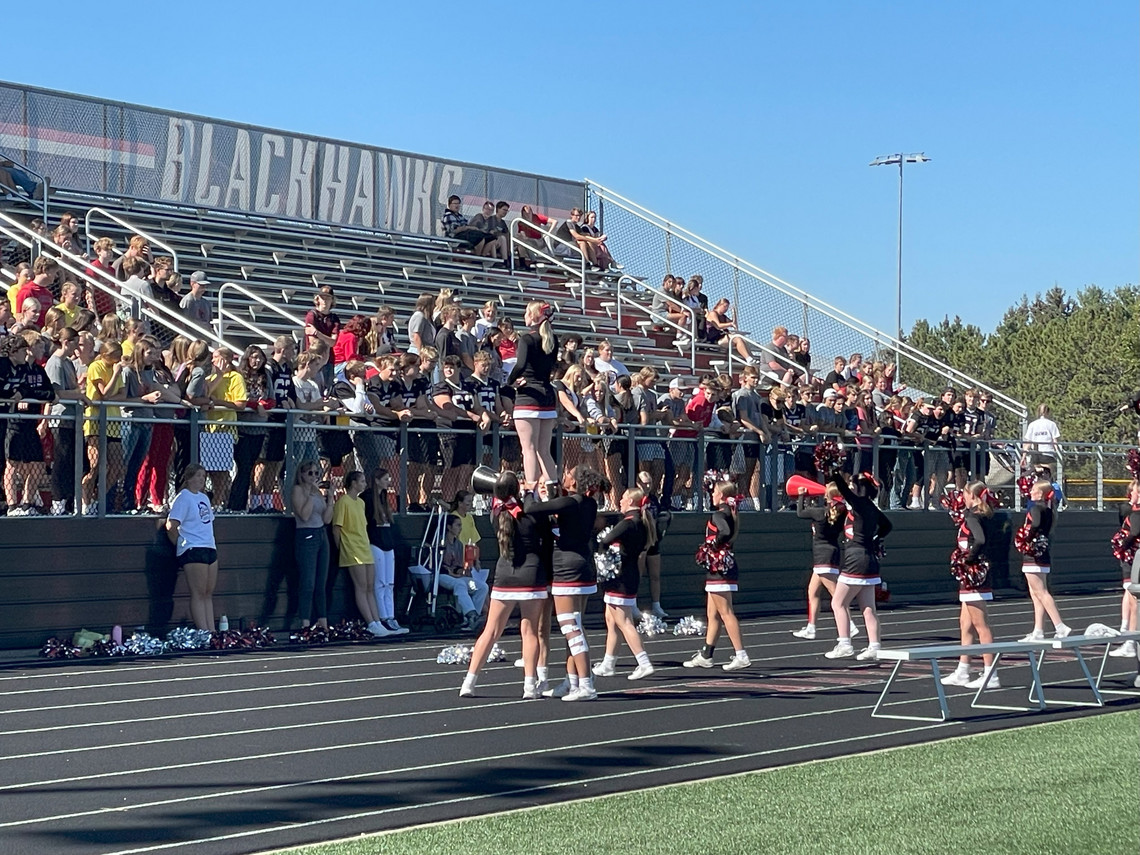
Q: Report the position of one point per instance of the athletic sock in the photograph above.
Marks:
(529, 684)
(573, 680)
(843, 640)
(811, 624)
(586, 683)
(608, 660)
(741, 654)
(469, 680)
(707, 650)
(543, 673)
(642, 658)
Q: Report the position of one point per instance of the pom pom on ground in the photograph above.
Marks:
(651, 625)
(689, 626)
(455, 654)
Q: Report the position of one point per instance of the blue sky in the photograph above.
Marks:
(751, 124)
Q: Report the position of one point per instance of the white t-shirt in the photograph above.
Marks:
(612, 366)
(1044, 433)
(195, 520)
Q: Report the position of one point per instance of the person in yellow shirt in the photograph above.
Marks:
(23, 274)
(68, 305)
(104, 383)
(469, 534)
(350, 534)
(216, 444)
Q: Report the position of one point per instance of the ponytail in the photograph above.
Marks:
(546, 333)
(640, 499)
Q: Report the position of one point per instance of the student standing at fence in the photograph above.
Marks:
(573, 571)
(1032, 541)
(312, 511)
(520, 578)
(636, 530)
(350, 532)
(721, 575)
(104, 383)
(859, 574)
(535, 410)
(974, 588)
(378, 512)
(190, 526)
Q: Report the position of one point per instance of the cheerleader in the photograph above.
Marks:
(1124, 548)
(860, 571)
(974, 589)
(659, 520)
(826, 529)
(520, 578)
(632, 534)
(720, 534)
(535, 410)
(573, 572)
(1032, 542)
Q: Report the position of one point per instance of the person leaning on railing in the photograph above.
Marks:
(24, 381)
(227, 394)
(104, 384)
(64, 378)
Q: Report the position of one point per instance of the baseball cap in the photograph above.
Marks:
(678, 383)
(198, 277)
(830, 393)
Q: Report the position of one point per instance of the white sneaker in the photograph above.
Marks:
(915, 505)
(1127, 649)
(559, 691)
(1062, 631)
(378, 629)
(842, 650)
(807, 632)
(530, 694)
(393, 627)
(660, 612)
(519, 662)
(541, 688)
(1036, 635)
(737, 662)
(992, 683)
(1136, 682)
(90, 510)
(640, 671)
(868, 654)
(603, 669)
(698, 661)
(854, 629)
(58, 507)
(582, 693)
(466, 691)
(957, 677)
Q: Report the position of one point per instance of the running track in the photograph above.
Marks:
(250, 752)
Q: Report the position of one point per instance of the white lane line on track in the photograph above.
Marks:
(1013, 606)
(373, 743)
(522, 791)
(245, 791)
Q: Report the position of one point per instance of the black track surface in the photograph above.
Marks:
(244, 753)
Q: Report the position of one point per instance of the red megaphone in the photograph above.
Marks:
(798, 482)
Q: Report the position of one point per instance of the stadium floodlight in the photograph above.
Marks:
(899, 160)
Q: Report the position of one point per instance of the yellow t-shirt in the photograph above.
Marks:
(69, 315)
(101, 371)
(232, 389)
(13, 292)
(128, 348)
(468, 531)
(348, 513)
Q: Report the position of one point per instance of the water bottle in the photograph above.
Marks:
(117, 634)
(224, 624)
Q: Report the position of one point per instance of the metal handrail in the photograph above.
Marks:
(78, 266)
(119, 221)
(43, 183)
(838, 315)
(553, 259)
(250, 295)
(663, 321)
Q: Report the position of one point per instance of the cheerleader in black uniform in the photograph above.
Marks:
(573, 572)
(974, 591)
(826, 530)
(720, 534)
(536, 410)
(632, 534)
(519, 578)
(651, 558)
(860, 571)
(1128, 537)
(1036, 561)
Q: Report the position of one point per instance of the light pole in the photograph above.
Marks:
(891, 160)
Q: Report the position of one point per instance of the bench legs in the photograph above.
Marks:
(993, 670)
(937, 686)
(1100, 676)
(1098, 701)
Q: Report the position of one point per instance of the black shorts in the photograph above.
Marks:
(274, 450)
(462, 448)
(22, 444)
(423, 447)
(334, 445)
(198, 555)
(751, 450)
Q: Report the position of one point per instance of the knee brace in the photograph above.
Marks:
(571, 625)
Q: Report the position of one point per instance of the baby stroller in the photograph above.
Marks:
(424, 606)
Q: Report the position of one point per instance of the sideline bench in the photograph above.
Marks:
(933, 653)
(1075, 643)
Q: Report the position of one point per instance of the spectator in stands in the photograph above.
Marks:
(508, 344)
(1040, 442)
(161, 271)
(748, 413)
(140, 393)
(53, 322)
(455, 226)
(412, 394)
(589, 356)
(137, 289)
(137, 248)
(68, 305)
(5, 319)
(23, 275)
(570, 243)
(227, 397)
(351, 344)
(110, 329)
(854, 369)
(488, 319)
(104, 384)
(649, 450)
(61, 237)
(312, 511)
(530, 231)
(22, 379)
(575, 418)
(837, 377)
(195, 305)
(605, 363)
(15, 180)
(468, 344)
(71, 225)
(321, 323)
(779, 360)
(378, 513)
(100, 298)
(152, 478)
(382, 336)
(459, 411)
(133, 330)
(310, 401)
(501, 232)
(720, 329)
(252, 417)
(605, 410)
(570, 349)
(421, 332)
(446, 341)
(487, 388)
(45, 276)
(603, 260)
(190, 526)
(64, 379)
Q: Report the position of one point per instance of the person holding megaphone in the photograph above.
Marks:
(827, 524)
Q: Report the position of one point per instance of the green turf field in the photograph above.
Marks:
(1069, 787)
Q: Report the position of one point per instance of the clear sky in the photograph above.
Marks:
(751, 124)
